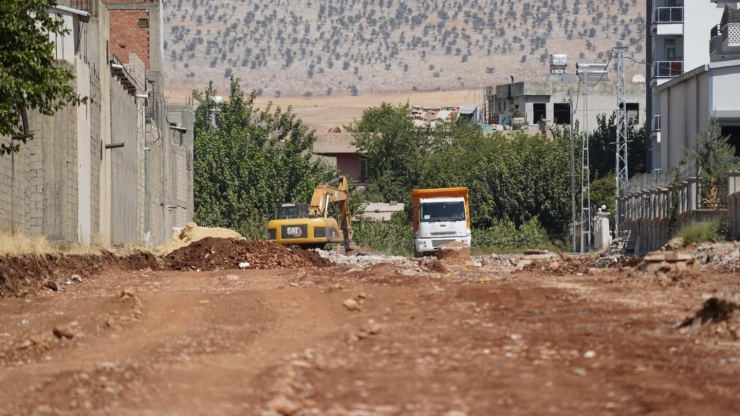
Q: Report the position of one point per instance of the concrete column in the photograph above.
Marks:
(692, 190)
(733, 182)
(602, 238)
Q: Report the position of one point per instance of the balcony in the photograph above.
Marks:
(724, 42)
(667, 69)
(667, 21)
(668, 15)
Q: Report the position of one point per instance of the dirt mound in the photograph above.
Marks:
(191, 233)
(24, 275)
(223, 253)
(716, 318)
(455, 254)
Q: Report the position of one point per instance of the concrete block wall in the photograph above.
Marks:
(124, 186)
(96, 155)
(66, 186)
(154, 191)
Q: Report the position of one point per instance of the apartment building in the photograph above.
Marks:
(688, 101)
(677, 39)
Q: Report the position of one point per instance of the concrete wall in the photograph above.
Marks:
(688, 102)
(66, 186)
(647, 213)
(699, 18)
(684, 115)
(124, 160)
(602, 99)
(40, 183)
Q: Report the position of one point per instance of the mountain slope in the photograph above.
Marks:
(320, 47)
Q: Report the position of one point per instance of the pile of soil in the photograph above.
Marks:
(223, 253)
(191, 233)
(24, 275)
(455, 254)
(718, 318)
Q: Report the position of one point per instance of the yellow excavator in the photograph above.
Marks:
(297, 224)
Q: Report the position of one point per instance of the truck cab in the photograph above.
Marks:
(440, 217)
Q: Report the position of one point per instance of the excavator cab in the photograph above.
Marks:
(289, 211)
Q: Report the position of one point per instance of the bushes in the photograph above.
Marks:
(397, 236)
(391, 237)
(699, 232)
(504, 237)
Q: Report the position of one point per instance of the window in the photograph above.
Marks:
(670, 49)
(363, 168)
(633, 111)
(442, 211)
(561, 113)
(143, 22)
(540, 112)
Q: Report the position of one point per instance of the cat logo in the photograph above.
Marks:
(294, 232)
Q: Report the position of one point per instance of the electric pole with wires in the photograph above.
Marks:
(622, 142)
(584, 70)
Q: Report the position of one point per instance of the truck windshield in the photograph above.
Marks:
(442, 211)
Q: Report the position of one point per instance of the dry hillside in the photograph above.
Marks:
(324, 47)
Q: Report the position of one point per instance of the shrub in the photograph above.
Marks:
(698, 232)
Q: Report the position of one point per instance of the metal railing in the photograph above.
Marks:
(667, 69)
(660, 179)
(656, 122)
(668, 15)
(711, 195)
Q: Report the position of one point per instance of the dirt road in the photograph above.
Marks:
(377, 341)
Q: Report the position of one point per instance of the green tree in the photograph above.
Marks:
(248, 160)
(713, 153)
(394, 148)
(603, 148)
(30, 80)
(513, 177)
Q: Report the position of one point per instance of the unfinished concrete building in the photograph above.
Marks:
(548, 100)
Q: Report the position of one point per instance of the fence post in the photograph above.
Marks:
(693, 201)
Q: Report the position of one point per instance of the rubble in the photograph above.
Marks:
(64, 331)
(351, 305)
(716, 318)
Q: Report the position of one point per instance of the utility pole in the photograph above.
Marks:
(584, 69)
(572, 170)
(622, 124)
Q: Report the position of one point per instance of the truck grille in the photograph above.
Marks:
(437, 243)
(444, 233)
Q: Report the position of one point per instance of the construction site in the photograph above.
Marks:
(490, 279)
(208, 325)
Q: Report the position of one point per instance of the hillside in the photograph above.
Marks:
(323, 47)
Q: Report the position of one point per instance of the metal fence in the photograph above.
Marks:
(659, 179)
(711, 195)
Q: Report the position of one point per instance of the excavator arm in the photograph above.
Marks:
(336, 190)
